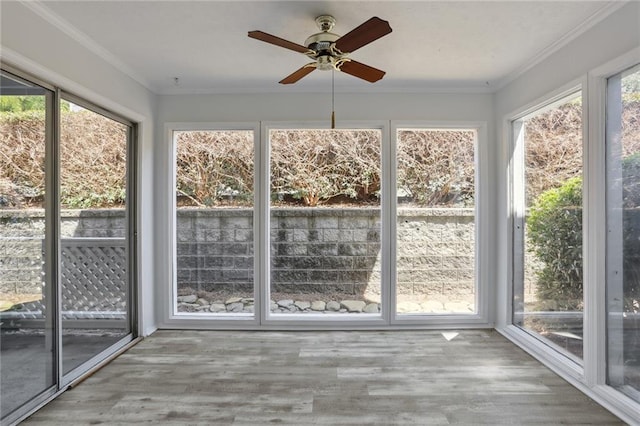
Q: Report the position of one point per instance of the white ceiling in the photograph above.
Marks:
(435, 45)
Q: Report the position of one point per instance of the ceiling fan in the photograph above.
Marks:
(331, 51)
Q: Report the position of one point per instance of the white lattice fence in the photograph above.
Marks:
(94, 282)
(94, 276)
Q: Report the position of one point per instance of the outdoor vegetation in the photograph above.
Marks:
(88, 140)
(554, 222)
(313, 168)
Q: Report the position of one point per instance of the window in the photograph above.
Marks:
(214, 192)
(325, 248)
(301, 230)
(547, 197)
(623, 231)
(435, 221)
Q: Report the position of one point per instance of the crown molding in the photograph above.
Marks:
(567, 38)
(427, 88)
(39, 8)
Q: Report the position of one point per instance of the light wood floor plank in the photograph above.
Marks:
(324, 378)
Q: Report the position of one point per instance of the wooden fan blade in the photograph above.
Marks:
(360, 36)
(360, 70)
(268, 38)
(297, 75)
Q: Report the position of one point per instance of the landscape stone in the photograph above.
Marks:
(318, 305)
(353, 305)
(191, 298)
(333, 306)
(217, 307)
(188, 305)
(247, 305)
(302, 305)
(285, 303)
(371, 308)
(235, 307)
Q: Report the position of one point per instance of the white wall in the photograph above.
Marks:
(614, 36)
(30, 43)
(317, 107)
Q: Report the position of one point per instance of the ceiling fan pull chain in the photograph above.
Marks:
(333, 112)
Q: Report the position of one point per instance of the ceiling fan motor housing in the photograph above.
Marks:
(321, 44)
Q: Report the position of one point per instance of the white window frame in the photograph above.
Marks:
(387, 318)
(596, 371)
(168, 296)
(517, 197)
(481, 219)
(514, 138)
(591, 378)
(328, 321)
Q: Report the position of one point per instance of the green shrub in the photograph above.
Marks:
(554, 229)
(631, 232)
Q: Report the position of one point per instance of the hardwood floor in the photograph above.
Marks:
(324, 378)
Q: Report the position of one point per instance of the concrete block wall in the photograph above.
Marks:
(21, 251)
(327, 250)
(22, 234)
(312, 249)
(214, 249)
(435, 251)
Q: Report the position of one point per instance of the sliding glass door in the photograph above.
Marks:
(94, 250)
(27, 335)
(67, 240)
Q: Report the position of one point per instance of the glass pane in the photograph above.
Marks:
(623, 232)
(549, 299)
(93, 230)
(435, 222)
(325, 221)
(214, 222)
(26, 333)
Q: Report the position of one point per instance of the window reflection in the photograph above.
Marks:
(26, 333)
(623, 231)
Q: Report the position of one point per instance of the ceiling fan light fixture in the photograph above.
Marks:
(330, 51)
(326, 62)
